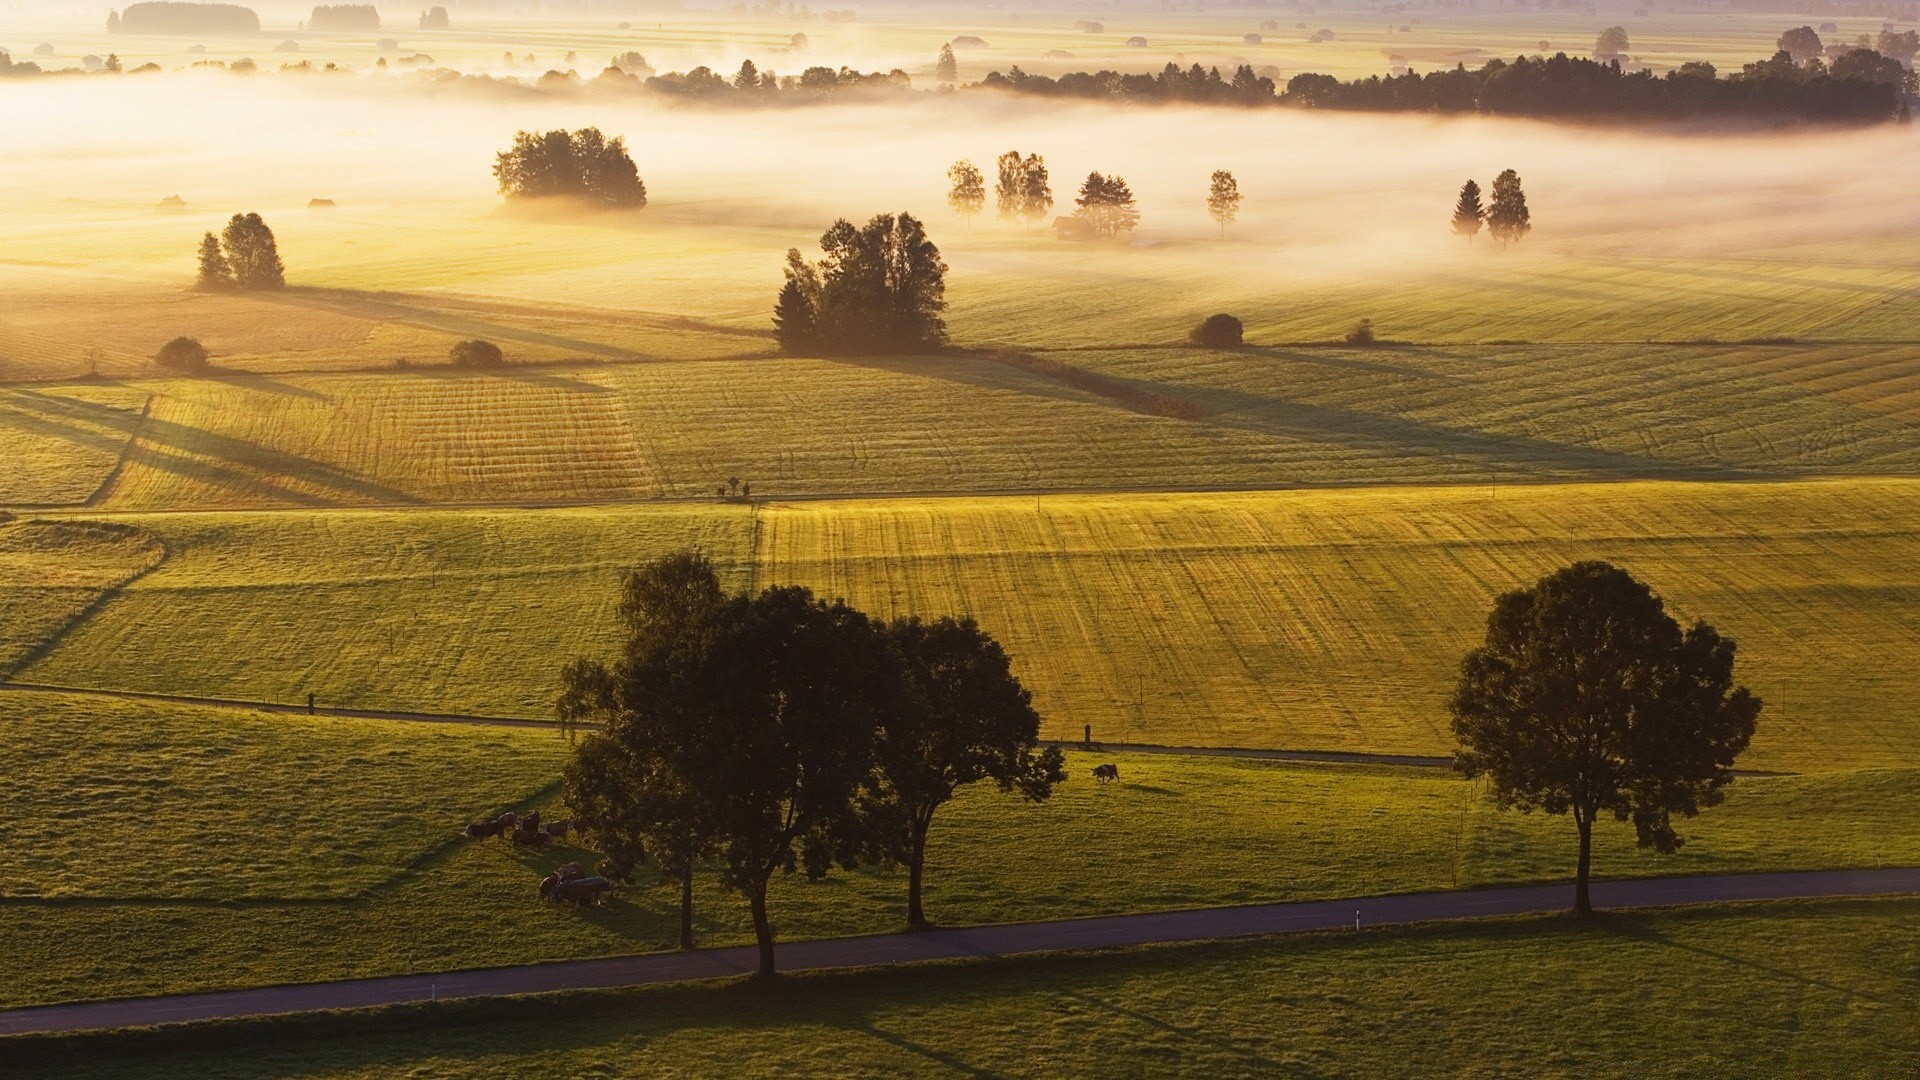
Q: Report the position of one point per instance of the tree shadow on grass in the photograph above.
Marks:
(1641, 929)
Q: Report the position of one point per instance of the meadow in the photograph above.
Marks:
(1311, 619)
(1788, 988)
(54, 572)
(189, 848)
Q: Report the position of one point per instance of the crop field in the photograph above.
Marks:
(1268, 417)
(1787, 988)
(1328, 620)
(184, 847)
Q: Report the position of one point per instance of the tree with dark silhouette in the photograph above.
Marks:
(747, 78)
(1612, 44)
(1507, 217)
(879, 288)
(1106, 204)
(1223, 199)
(1218, 332)
(962, 717)
(1803, 44)
(476, 354)
(1468, 214)
(435, 18)
(1022, 192)
(626, 778)
(215, 271)
(252, 253)
(583, 166)
(182, 354)
(946, 69)
(968, 193)
(1587, 698)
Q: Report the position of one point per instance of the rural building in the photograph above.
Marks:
(1071, 228)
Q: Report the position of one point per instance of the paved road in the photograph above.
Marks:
(1173, 926)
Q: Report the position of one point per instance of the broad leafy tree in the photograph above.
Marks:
(1612, 44)
(1223, 199)
(182, 354)
(1588, 699)
(1468, 214)
(584, 166)
(645, 800)
(968, 193)
(878, 288)
(1022, 192)
(962, 718)
(1106, 204)
(1508, 218)
(1803, 44)
(252, 253)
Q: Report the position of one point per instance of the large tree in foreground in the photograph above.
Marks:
(962, 718)
(1587, 698)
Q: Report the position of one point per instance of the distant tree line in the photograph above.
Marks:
(747, 85)
(1860, 85)
(334, 17)
(878, 288)
(755, 734)
(582, 165)
(167, 17)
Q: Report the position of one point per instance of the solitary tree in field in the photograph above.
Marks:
(962, 718)
(946, 69)
(1587, 698)
(252, 253)
(1508, 218)
(215, 271)
(476, 354)
(1223, 199)
(1468, 214)
(627, 778)
(1803, 44)
(968, 196)
(582, 165)
(879, 288)
(1106, 204)
(1022, 192)
(182, 354)
(1612, 44)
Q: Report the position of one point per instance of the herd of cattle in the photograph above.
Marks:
(569, 884)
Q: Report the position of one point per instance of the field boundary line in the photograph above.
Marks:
(107, 595)
(1006, 939)
(112, 481)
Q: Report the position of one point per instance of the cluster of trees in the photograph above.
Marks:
(332, 17)
(582, 165)
(760, 734)
(1587, 698)
(1507, 219)
(1022, 192)
(244, 256)
(167, 17)
(878, 288)
(750, 84)
(1105, 204)
(1195, 84)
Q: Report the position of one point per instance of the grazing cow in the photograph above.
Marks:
(581, 892)
(525, 837)
(572, 871)
(1106, 774)
(532, 821)
(558, 829)
(480, 830)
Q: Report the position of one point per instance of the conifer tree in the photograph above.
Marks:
(946, 69)
(1468, 214)
(215, 272)
(795, 319)
(1507, 217)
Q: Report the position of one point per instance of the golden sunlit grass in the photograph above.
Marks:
(61, 444)
(1324, 620)
(185, 848)
(53, 571)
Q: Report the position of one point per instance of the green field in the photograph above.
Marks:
(1774, 989)
(185, 848)
(54, 572)
(1328, 620)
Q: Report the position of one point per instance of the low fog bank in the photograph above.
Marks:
(1326, 194)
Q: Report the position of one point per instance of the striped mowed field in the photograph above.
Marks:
(1329, 620)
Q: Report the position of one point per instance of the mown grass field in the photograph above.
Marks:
(1265, 417)
(169, 848)
(51, 572)
(1329, 620)
(1776, 989)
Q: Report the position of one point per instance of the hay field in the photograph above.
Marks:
(172, 847)
(1308, 620)
(52, 572)
(60, 444)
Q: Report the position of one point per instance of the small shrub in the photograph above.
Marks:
(476, 354)
(1217, 332)
(182, 354)
(1362, 334)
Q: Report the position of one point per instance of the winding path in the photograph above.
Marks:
(1156, 928)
